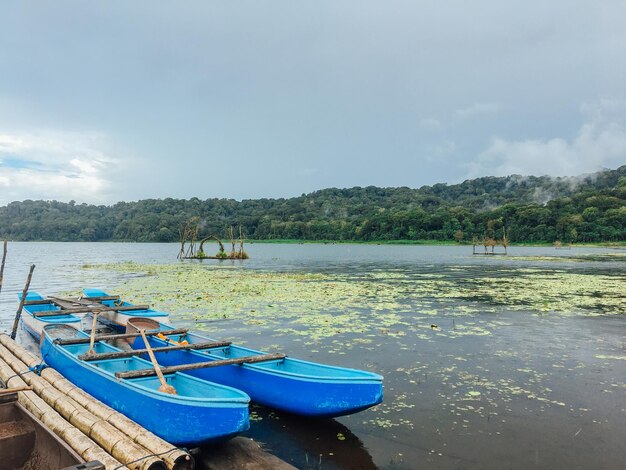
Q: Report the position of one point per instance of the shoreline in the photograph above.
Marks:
(620, 244)
(615, 245)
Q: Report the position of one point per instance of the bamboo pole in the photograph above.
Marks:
(165, 387)
(4, 258)
(175, 459)
(136, 352)
(97, 298)
(19, 309)
(178, 331)
(81, 444)
(38, 302)
(100, 308)
(110, 439)
(132, 374)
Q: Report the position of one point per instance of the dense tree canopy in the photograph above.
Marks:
(589, 208)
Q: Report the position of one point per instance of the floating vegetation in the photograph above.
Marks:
(466, 350)
(577, 258)
(323, 305)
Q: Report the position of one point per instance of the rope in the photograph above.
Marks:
(150, 455)
(36, 369)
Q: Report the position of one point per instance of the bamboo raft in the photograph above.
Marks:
(97, 432)
(92, 429)
(84, 427)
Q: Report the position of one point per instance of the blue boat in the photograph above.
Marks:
(288, 384)
(120, 312)
(35, 305)
(200, 412)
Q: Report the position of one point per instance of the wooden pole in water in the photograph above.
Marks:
(19, 309)
(175, 458)
(110, 439)
(165, 387)
(4, 258)
(80, 443)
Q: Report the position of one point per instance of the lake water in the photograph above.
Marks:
(489, 361)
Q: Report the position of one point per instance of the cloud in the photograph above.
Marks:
(54, 165)
(477, 109)
(431, 124)
(439, 152)
(599, 143)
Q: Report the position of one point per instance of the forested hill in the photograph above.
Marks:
(588, 208)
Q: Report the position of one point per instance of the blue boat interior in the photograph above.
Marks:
(288, 365)
(48, 307)
(284, 366)
(115, 303)
(185, 385)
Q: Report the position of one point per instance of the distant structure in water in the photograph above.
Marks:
(559, 245)
(189, 236)
(490, 244)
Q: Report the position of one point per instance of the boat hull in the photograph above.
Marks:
(290, 385)
(339, 391)
(179, 421)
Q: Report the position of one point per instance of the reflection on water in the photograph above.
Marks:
(309, 443)
(484, 364)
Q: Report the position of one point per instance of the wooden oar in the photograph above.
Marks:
(165, 387)
(92, 335)
(131, 374)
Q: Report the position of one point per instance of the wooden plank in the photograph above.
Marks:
(64, 303)
(95, 308)
(101, 298)
(132, 374)
(179, 331)
(87, 301)
(60, 301)
(64, 311)
(136, 352)
(128, 308)
(37, 302)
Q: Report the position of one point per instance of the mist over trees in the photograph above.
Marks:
(589, 208)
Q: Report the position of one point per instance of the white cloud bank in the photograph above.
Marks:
(54, 165)
(599, 143)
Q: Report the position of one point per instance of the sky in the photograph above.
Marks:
(108, 101)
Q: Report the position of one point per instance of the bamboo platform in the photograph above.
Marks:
(97, 432)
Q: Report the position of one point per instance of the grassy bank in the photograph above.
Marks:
(620, 244)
